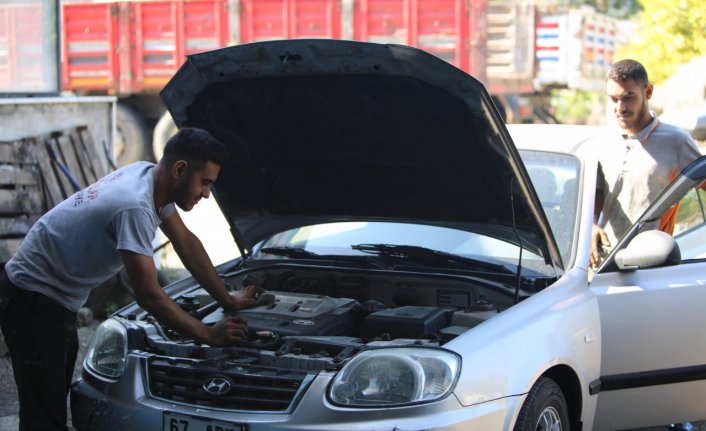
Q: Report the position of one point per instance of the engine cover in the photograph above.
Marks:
(406, 322)
(299, 314)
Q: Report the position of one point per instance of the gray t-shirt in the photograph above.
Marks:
(76, 245)
(633, 170)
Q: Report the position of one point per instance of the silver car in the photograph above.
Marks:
(418, 273)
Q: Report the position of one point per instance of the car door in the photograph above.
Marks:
(653, 322)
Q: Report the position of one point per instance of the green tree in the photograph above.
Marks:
(668, 34)
(617, 8)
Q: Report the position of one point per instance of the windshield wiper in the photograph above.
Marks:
(290, 252)
(428, 256)
(300, 253)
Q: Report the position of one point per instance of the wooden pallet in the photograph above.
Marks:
(38, 172)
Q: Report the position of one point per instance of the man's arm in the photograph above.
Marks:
(598, 207)
(598, 235)
(151, 297)
(196, 260)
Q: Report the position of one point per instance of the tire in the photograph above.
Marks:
(164, 130)
(131, 143)
(544, 409)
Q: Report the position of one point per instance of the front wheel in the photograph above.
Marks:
(544, 409)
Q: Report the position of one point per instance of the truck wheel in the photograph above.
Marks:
(544, 409)
(131, 142)
(164, 130)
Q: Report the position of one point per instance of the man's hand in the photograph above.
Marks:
(227, 331)
(599, 239)
(197, 262)
(245, 298)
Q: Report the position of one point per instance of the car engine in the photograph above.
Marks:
(304, 307)
(307, 321)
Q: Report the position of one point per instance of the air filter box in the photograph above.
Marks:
(405, 322)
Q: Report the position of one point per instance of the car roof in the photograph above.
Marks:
(563, 138)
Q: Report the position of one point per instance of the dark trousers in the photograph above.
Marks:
(41, 336)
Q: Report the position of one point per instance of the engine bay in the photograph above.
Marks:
(317, 319)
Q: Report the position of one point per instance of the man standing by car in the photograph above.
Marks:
(636, 166)
(87, 239)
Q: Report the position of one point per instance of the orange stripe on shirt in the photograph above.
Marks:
(669, 219)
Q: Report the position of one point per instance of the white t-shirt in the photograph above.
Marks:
(634, 169)
(76, 245)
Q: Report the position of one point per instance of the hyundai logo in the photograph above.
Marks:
(217, 385)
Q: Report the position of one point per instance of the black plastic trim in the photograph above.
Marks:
(647, 378)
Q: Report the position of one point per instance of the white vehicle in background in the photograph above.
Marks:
(681, 99)
(419, 273)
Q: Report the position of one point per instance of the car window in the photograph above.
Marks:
(555, 177)
(690, 225)
(691, 211)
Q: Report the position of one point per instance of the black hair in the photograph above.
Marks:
(628, 70)
(196, 146)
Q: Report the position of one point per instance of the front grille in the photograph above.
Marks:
(252, 388)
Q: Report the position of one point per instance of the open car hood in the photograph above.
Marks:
(330, 130)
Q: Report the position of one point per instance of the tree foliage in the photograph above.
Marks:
(616, 8)
(668, 33)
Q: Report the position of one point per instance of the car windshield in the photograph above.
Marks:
(555, 177)
(404, 243)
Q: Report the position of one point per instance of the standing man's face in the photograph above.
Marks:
(630, 104)
(192, 184)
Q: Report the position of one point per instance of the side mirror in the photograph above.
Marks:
(648, 250)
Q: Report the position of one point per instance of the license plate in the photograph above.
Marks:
(175, 422)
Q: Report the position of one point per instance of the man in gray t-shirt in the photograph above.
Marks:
(87, 239)
(638, 162)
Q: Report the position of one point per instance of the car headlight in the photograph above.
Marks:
(107, 355)
(396, 376)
